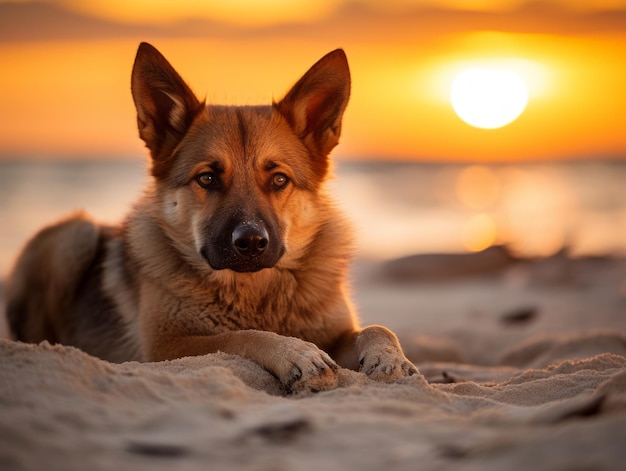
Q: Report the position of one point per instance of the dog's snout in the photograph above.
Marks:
(250, 240)
(243, 244)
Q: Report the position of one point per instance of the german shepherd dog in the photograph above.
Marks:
(235, 246)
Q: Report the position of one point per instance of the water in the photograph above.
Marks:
(536, 208)
(397, 208)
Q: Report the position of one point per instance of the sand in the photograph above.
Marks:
(523, 367)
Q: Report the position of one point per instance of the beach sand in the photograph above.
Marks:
(523, 366)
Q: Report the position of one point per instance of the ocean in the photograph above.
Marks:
(398, 208)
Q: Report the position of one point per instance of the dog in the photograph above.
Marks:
(234, 247)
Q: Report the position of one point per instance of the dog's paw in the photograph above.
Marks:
(304, 367)
(380, 355)
(386, 365)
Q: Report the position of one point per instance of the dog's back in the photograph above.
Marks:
(55, 294)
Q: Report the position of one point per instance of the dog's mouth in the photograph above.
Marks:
(238, 264)
(247, 248)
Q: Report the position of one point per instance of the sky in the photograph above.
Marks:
(66, 67)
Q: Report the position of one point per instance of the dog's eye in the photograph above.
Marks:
(280, 180)
(207, 180)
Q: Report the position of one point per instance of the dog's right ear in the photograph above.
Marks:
(165, 104)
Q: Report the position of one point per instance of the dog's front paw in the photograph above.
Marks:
(304, 367)
(386, 365)
(380, 355)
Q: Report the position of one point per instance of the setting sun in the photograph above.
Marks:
(488, 98)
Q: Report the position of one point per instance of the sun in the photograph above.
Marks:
(488, 98)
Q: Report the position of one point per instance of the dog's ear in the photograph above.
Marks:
(315, 105)
(165, 104)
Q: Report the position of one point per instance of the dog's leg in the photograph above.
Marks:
(375, 351)
(299, 365)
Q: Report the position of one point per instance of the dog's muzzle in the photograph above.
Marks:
(244, 246)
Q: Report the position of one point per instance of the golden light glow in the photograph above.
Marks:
(477, 187)
(242, 12)
(539, 211)
(488, 98)
(479, 232)
(533, 212)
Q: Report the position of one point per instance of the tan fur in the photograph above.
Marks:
(234, 247)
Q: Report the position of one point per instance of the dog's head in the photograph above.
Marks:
(237, 185)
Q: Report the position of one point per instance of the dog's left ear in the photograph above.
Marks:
(165, 104)
(315, 105)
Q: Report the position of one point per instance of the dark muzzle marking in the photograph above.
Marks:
(243, 244)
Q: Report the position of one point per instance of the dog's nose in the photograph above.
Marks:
(250, 240)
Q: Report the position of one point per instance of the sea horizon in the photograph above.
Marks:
(399, 207)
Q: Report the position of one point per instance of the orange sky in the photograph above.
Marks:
(66, 71)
